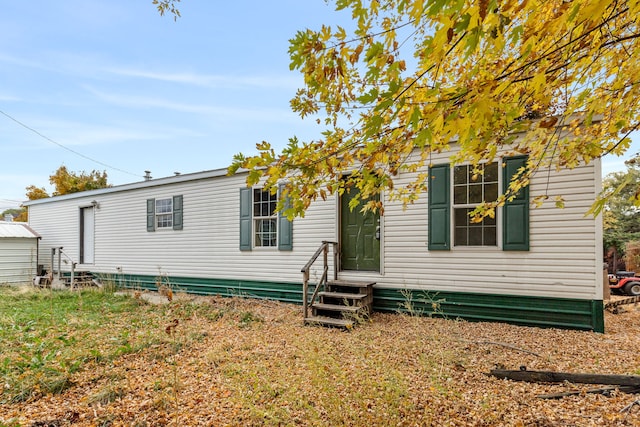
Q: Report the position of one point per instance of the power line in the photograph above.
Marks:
(67, 148)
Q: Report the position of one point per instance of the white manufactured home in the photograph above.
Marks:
(18, 253)
(207, 233)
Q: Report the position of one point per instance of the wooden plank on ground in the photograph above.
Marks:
(603, 390)
(630, 300)
(558, 377)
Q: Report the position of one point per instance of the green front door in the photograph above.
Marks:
(359, 237)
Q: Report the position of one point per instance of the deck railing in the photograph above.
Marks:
(322, 283)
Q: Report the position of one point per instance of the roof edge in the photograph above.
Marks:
(215, 173)
(19, 235)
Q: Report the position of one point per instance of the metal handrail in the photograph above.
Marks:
(59, 271)
(323, 249)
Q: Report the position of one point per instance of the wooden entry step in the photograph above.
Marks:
(343, 304)
(336, 307)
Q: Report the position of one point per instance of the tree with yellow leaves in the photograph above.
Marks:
(66, 182)
(556, 80)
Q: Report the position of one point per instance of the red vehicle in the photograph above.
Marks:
(625, 282)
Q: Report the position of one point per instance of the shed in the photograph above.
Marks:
(18, 253)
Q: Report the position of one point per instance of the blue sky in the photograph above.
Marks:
(125, 90)
(117, 83)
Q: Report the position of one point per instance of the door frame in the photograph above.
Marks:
(83, 235)
(339, 239)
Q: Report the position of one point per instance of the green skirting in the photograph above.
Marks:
(564, 313)
(280, 291)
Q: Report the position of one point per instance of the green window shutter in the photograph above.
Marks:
(515, 213)
(151, 214)
(177, 212)
(285, 227)
(245, 219)
(439, 208)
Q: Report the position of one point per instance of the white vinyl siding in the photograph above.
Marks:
(206, 247)
(563, 260)
(18, 260)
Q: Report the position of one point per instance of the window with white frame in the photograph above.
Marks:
(164, 213)
(265, 220)
(472, 187)
(469, 188)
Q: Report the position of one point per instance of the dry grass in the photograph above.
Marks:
(215, 361)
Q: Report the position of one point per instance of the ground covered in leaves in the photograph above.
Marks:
(98, 359)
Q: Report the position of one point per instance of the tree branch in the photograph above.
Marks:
(562, 47)
(626, 135)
